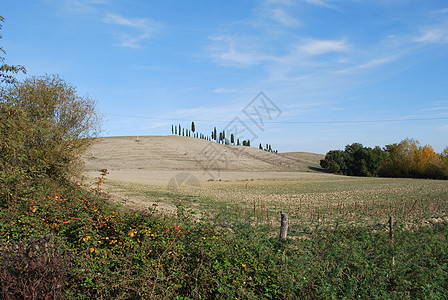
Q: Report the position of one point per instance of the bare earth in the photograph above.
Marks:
(163, 163)
(162, 172)
(157, 160)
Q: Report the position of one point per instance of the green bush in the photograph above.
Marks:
(44, 127)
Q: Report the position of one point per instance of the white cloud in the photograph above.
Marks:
(191, 89)
(317, 2)
(280, 16)
(227, 50)
(78, 6)
(373, 63)
(435, 35)
(146, 29)
(229, 91)
(316, 47)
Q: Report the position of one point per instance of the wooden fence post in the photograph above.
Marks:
(284, 226)
(391, 235)
(391, 227)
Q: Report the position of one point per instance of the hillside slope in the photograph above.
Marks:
(169, 153)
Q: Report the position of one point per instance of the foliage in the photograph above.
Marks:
(410, 159)
(406, 159)
(45, 126)
(99, 251)
(34, 269)
(355, 160)
(5, 70)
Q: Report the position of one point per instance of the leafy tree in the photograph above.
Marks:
(355, 160)
(232, 139)
(7, 71)
(335, 161)
(214, 133)
(410, 159)
(45, 126)
(193, 128)
(400, 159)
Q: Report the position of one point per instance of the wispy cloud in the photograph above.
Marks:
(316, 47)
(438, 31)
(145, 29)
(78, 6)
(282, 17)
(229, 91)
(318, 2)
(228, 50)
(370, 64)
(434, 35)
(191, 89)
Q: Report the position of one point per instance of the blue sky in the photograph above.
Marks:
(339, 71)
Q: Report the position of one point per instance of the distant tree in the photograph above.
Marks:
(260, 147)
(180, 130)
(238, 142)
(183, 131)
(214, 132)
(193, 128)
(232, 139)
(410, 159)
(172, 129)
(335, 161)
(270, 148)
(175, 130)
(248, 143)
(244, 143)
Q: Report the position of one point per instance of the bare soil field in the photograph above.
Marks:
(164, 172)
(157, 159)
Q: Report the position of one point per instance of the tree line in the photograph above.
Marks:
(405, 159)
(219, 137)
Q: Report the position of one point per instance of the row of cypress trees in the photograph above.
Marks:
(217, 136)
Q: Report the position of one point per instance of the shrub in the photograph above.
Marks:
(44, 127)
(37, 269)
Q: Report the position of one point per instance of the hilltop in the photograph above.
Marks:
(155, 158)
